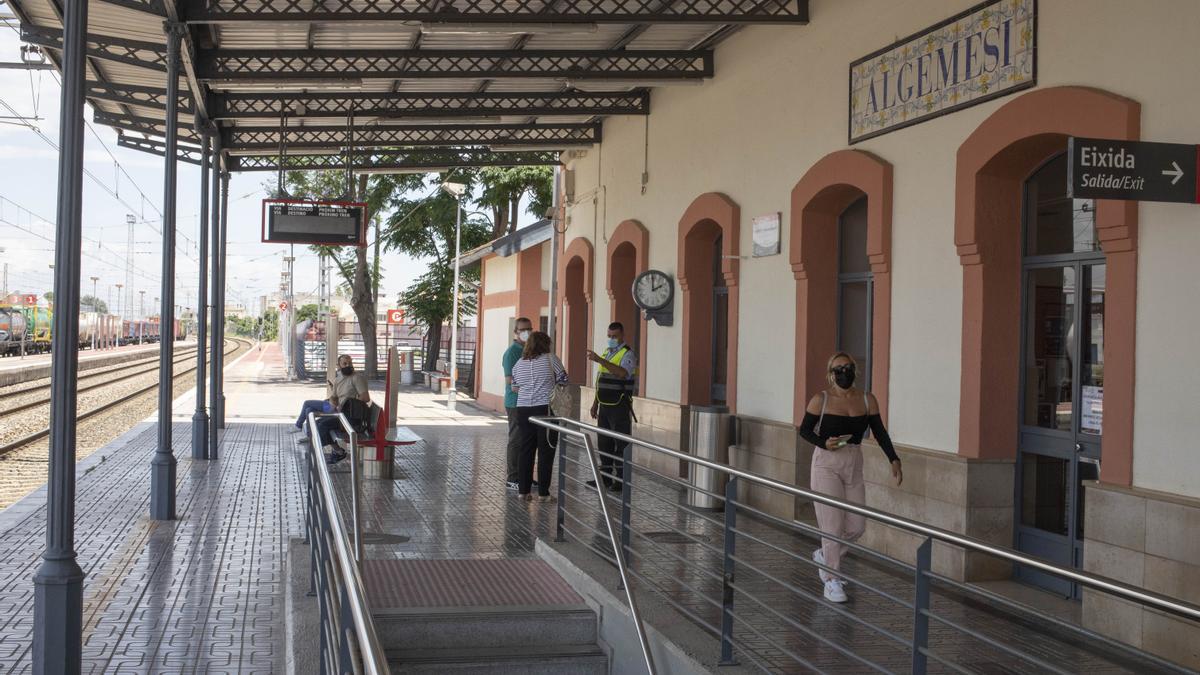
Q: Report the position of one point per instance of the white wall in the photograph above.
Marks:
(778, 103)
(500, 273)
(496, 338)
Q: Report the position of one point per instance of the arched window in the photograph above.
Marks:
(855, 286)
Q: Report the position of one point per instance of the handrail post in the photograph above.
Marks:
(730, 537)
(355, 497)
(921, 608)
(561, 511)
(308, 479)
(626, 501)
(619, 555)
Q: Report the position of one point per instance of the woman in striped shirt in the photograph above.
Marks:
(533, 378)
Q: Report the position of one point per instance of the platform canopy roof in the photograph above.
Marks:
(391, 84)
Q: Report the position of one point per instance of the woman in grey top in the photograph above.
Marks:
(533, 378)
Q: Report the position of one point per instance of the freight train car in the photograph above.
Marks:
(13, 330)
(39, 322)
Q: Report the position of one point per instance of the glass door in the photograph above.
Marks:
(720, 328)
(1062, 374)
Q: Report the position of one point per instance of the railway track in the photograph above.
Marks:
(231, 346)
(142, 367)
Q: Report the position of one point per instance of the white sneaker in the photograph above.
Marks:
(818, 557)
(296, 430)
(834, 592)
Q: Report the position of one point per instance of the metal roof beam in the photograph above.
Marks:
(184, 154)
(260, 139)
(133, 94)
(144, 125)
(429, 105)
(154, 7)
(397, 160)
(106, 48)
(269, 65)
(500, 11)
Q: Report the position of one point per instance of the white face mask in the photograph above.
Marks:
(523, 336)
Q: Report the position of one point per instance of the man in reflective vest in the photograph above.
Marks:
(616, 385)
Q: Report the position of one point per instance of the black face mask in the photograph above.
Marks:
(347, 370)
(844, 376)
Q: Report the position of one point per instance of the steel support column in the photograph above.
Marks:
(221, 302)
(162, 467)
(216, 262)
(58, 583)
(200, 417)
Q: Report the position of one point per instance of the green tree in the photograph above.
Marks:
(504, 187)
(96, 304)
(424, 228)
(49, 296)
(359, 277)
(308, 311)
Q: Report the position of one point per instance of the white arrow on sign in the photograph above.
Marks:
(1177, 172)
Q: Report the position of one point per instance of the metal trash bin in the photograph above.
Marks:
(408, 375)
(709, 439)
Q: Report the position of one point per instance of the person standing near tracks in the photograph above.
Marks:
(616, 385)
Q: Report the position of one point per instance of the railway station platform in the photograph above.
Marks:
(220, 589)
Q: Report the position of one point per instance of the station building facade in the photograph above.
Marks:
(1033, 354)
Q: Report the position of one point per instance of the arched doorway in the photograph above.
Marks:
(708, 275)
(1049, 293)
(627, 251)
(577, 308)
(840, 253)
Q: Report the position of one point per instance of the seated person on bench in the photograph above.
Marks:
(347, 384)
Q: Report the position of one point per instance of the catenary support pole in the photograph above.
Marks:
(553, 291)
(162, 467)
(452, 396)
(58, 583)
(214, 348)
(200, 417)
(221, 305)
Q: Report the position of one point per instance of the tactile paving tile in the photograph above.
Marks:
(203, 593)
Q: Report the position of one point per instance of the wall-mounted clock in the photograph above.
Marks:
(654, 292)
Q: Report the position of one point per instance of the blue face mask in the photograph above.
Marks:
(613, 343)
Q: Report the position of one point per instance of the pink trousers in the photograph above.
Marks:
(838, 473)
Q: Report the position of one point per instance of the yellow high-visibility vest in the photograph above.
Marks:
(612, 390)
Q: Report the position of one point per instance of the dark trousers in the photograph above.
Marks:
(616, 418)
(312, 407)
(514, 446)
(325, 428)
(533, 439)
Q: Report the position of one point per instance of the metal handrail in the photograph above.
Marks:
(618, 549)
(1112, 586)
(348, 560)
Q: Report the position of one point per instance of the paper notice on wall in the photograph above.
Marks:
(1092, 410)
(765, 234)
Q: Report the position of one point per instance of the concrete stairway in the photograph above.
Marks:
(481, 616)
(528, 640)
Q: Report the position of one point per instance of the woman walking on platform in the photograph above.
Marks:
(533, 378)
(834, 422)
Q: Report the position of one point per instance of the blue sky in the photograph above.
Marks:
(126, 181)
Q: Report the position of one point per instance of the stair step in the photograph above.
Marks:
(485, 627)
(521, 659)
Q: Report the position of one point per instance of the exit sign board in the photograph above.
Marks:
(1133, 170)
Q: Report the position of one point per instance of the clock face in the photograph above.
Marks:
(652, 290)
